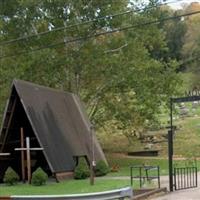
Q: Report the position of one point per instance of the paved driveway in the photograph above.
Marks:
(189, 194)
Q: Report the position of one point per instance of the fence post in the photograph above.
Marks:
(170, 158)
(131, 169)
(140, 177)
(158, 177)
(196, 176)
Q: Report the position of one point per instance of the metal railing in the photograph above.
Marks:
(185, 177)
(145, 174)
(108, 195)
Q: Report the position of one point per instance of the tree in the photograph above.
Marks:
(121, 77)
(191, 47)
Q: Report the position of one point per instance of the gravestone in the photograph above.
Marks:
(183, 110)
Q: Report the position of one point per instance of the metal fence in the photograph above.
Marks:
(185, 177)
(145, 173)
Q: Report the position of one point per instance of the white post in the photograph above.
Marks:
(4, 154)
(28, 157)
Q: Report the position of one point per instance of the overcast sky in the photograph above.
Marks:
(174, 4)
(179, 2)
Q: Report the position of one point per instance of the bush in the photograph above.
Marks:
(11, 177)
(81, 171)
(39, 177)
(101, 168)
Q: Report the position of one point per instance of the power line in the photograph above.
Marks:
(85, 23)
(103, 33)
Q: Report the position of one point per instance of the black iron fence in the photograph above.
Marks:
(145, 174)
(185, 177)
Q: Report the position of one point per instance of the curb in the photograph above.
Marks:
(149, 193)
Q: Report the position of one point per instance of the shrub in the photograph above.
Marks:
(101, 168)
(39, 177)
(82, 170)
(11, 177)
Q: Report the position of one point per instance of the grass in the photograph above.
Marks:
(187, 139)
(124, 164)
(186, 144)
(66, 187)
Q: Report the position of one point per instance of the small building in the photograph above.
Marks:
(53, 120)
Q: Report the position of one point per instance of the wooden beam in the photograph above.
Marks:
(18, 141)
(5, 158)
(25, 149)
(22, 154)
(4, 154)
(9, 122)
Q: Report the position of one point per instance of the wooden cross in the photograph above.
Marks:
(28, 150)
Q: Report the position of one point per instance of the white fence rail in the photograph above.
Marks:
(108, 195)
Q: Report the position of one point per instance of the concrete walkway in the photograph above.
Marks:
(188, 194)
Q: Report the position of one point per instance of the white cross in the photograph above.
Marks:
(4, 154)
(28, 156)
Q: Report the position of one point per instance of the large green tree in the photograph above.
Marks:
(119, 76)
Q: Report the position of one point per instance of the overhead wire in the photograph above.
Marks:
(86, 22)
(102, 33)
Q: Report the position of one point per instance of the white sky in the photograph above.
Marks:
(179, 3)
(173, 2)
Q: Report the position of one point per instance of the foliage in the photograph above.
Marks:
(39, 177)
(191, 47)
(11, 177)
(82, 170)
(101, 168)
(122, 77)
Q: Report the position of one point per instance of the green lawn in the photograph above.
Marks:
(66, 187)
(186, 144)
(83, 186)
(124, 164)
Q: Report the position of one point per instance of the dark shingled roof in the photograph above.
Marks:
(59, 122)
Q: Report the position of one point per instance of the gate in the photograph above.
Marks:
(185, 178)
